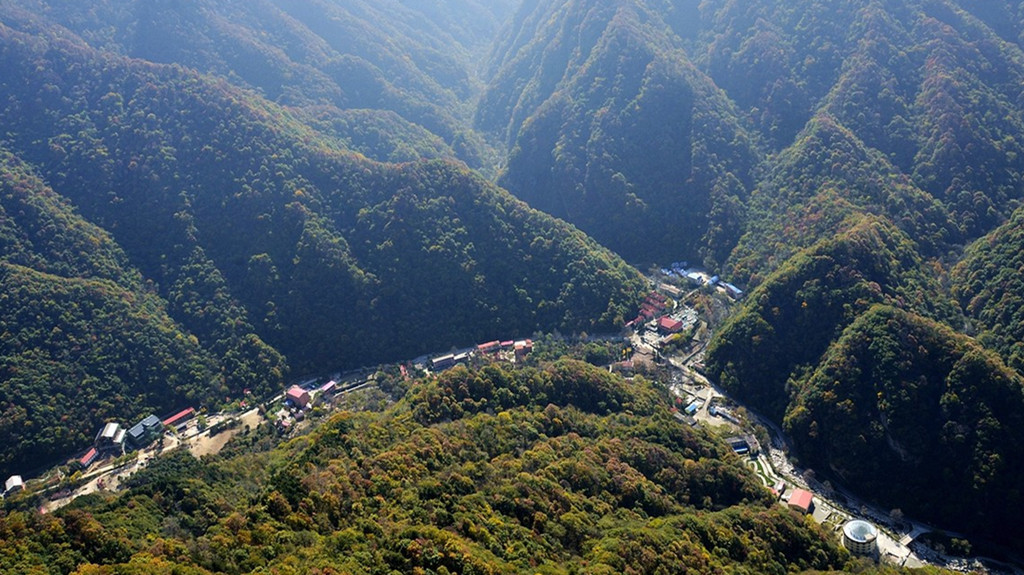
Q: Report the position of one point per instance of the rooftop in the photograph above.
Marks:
(801, 499)
(860, 531)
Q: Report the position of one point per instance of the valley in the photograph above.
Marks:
(201, 200)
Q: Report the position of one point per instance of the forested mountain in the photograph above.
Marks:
(838, 154)
(612, 128)
(200, 197)
(391, 79)
(988, 283)
(261, 237)
(562, 468)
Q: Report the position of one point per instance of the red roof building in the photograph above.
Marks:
(90, 456)
(669, 325)
(180, 417)
(801, 500)
(523, 347)
(489, 347)
(298, 396)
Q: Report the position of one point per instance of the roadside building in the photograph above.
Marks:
(179, 419)
(667, 325)
(738, 444)
(89, 457)
(489, 347)
(442, 363)
(670, 290)
(625, 368)
(801, 500)
(297, 396)
(523, 348)
(14, 484)
(733, 291)
(144, 432)
(860, 537)
(780, 486)
(110, 437)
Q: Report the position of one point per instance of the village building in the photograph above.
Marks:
(144, 432)
(489, 347)
(297, 396)
(801, 500)
(860, 537)
(442, 363)
(667, 325)
(523, 348)
(670, 290)
(739, 445)
(89, 457)
(14, 484)
(733, 291)
(110, 437)
(180, 419)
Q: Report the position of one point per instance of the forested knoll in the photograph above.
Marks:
(267, 241)
(563, 468)
(900, 404)
(877, 397)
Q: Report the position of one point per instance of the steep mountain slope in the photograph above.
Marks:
(613, 129)
(81, 338)
(266, 239)
(905, 409)
(788, 322)
(406, 67)
(988, 283)
(872, 394)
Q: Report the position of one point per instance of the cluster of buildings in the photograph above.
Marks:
(696, 278)
(298, 400)
(114, 439)
(654, 306)
(514, 350)
(858, 536)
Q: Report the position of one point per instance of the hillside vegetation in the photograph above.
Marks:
(202, 197)
(258, 243)
(563, 468)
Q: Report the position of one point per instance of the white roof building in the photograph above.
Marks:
(14, 484)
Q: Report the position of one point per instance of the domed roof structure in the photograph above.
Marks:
(859, 536)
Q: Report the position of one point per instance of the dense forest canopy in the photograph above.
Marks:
(560, 468)
(202, 197)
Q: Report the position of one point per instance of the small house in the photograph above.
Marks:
(297, 396)
(668, 325)
(14, 484)
(179, 418)
(443, 362)
(523, 348)
(89, 457)
(489, 347)
(801, 500)
(145, 431)
(109, 435)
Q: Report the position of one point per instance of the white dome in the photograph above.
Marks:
(860, 531)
